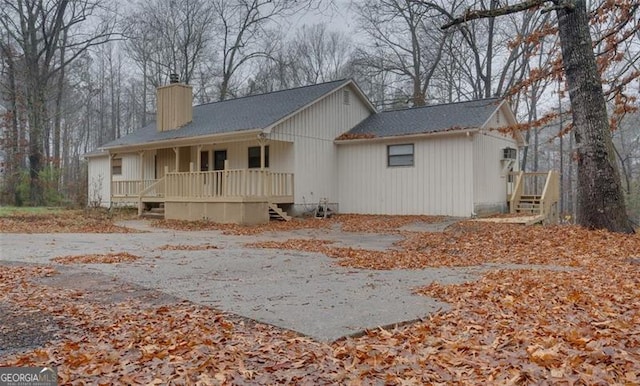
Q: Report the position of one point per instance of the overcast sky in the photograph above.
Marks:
(339, 16)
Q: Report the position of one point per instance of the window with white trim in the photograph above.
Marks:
(116, 166)
(254, 157)
(400, 155)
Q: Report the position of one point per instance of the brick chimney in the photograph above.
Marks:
(175, 105)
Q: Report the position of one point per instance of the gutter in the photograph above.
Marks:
(404, 137)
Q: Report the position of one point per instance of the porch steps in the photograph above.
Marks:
(155, 213)
(529, 204)
(275, 213)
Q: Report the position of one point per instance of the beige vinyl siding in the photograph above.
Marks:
(439, 183)
(99, 188)
(280, 154)
(131, 166)
(165, 158)
(313, 131)
(174, 106)
(489, 180)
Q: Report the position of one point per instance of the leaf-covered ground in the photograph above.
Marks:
(62, 221)
(473, 243)
(109, 258)
(346, 222)
(577, 324)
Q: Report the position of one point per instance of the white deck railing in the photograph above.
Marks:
(229, 183)
(129, 188)
(209, 185)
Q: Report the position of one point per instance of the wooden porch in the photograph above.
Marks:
(222, 186)
(533, 198)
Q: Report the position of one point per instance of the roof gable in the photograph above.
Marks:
(235, 115)
(427, 119)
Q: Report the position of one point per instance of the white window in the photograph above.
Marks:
(254, 157)
(116, 166)
(400, 155)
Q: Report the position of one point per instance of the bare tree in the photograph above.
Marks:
(40, 30)
(243, 31)
(318, 54)
(404, 41)
(314, 54)
(173, 35)
(600, 199)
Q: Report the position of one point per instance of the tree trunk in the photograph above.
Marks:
(600, 200)
(12, 143)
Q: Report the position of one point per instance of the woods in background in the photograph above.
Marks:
(75, 74)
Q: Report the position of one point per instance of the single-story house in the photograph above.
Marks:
(238, 160)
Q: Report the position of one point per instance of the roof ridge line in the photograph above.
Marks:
(439, 104)
(274, 92)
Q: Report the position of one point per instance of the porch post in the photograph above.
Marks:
(176, 151)
(111, 156)
(198, 159)
(263, 180)
(225, 179)
(141, 154)
(141, 183)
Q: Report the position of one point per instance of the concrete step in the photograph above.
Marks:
(153, 215)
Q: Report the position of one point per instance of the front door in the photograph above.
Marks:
(204, 161)
(219, 156)
(219, 159)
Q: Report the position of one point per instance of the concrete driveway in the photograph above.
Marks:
(305, 292)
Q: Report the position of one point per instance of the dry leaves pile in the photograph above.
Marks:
(247, 230)
(564, 326)
(346, 222)
(511, 327)
(381, 224)
(68, 221)
(473, 243)
(578, 327)
(109, 258)
(184, 247)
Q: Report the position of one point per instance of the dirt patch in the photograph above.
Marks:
(105, 289)
(24, 329)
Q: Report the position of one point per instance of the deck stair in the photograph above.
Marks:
(534, 197)
(276, 213)
(155, 213)
(530, 204)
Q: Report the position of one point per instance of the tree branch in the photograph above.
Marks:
(483, 14)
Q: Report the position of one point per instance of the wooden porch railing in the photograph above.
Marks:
(551, 197)
(155, 189)
(129, 188)
(228, 183)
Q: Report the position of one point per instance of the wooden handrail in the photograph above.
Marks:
(152, 186)
(550, 197)
(128, 188)
(229, 183)
(517, 193)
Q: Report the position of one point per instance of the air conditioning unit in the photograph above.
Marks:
(509, 153)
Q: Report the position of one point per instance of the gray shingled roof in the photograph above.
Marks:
(427, 119)
(234, 115)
